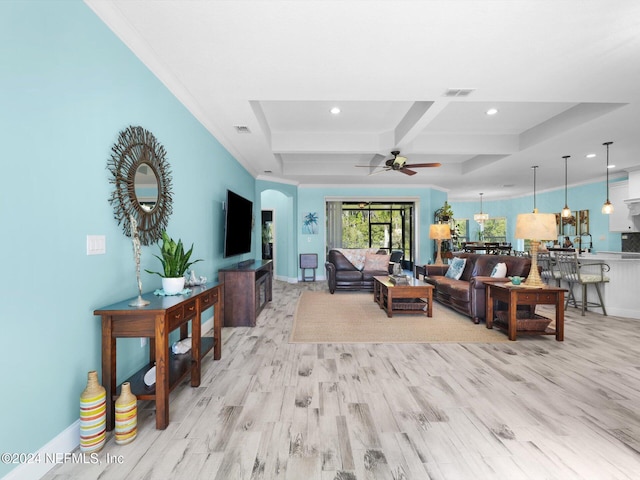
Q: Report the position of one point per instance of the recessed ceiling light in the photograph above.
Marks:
(492, 111)
(611, 166)
(335, 110)
(590, 155)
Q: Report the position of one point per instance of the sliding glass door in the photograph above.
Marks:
(381, 225)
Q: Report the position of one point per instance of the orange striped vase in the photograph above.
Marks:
(126, 415)
(93, 415)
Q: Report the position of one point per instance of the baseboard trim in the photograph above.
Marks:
(50, 455)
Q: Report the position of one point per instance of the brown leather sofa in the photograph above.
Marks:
(467, 295)
(343, 275)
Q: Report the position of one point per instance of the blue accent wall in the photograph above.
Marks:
(581, 197)
(68, 86)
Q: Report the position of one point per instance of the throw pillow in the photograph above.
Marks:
(456, 268)
(376, 262)
(500, 270)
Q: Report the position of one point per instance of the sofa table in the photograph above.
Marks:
(514, 295)
(156, 320)
(412, 298)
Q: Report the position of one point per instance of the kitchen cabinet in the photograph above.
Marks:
(619, 220)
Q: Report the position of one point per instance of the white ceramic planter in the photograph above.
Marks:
(171, 286)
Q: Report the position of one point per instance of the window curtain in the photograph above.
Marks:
(334, 225)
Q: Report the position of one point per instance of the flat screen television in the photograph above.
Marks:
(238, 223)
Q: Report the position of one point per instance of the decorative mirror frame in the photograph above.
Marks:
(135, 147)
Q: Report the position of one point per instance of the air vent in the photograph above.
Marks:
(242, 129)
(458, 92)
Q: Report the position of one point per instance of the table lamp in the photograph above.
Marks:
(536, 227)
(439, 232)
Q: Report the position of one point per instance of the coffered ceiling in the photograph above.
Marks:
(415, 76)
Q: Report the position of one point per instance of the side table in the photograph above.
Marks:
(514, 295)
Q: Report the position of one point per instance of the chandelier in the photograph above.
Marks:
(481, 217)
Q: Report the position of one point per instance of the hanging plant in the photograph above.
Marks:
(445, 212)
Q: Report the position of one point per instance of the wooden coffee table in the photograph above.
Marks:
(412, 298)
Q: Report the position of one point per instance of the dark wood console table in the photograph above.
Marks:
(156, 320)
(248, 288)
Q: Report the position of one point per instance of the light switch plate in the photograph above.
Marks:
(96, 245)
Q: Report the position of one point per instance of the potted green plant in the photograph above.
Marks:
(444, 213)
(175, 262)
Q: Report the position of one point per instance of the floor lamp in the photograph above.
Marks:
(439, 232)
(536, 227)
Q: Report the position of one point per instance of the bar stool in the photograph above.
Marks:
(549, 268)
(570, 271)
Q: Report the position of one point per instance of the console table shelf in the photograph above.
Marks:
(179, 366)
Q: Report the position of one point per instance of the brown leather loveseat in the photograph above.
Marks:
(467, 295)
(342, 274)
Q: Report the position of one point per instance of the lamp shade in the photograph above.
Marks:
(481, 217)
(440, 231)
(536, 226)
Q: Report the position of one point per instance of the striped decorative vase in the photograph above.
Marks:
(126, 415)
(93, 415)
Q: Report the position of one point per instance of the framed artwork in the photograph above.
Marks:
(310, 223)
(583, 222)
(569, 225)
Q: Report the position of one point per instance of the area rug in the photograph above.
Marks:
(354, 318)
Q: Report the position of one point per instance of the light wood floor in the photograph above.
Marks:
(531, 409)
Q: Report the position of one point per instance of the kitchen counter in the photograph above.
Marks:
(603, 255)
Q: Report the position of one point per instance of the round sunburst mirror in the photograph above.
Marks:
(142, 180)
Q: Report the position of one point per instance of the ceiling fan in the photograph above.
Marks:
(400, 164)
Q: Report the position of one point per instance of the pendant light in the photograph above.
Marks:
(534, 167)
(566, 211)
(481, 217)
(607, 208)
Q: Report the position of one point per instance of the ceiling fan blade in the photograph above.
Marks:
(406, 171)
(379, 171)
(420, 165)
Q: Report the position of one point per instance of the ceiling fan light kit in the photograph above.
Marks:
(400, 164)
